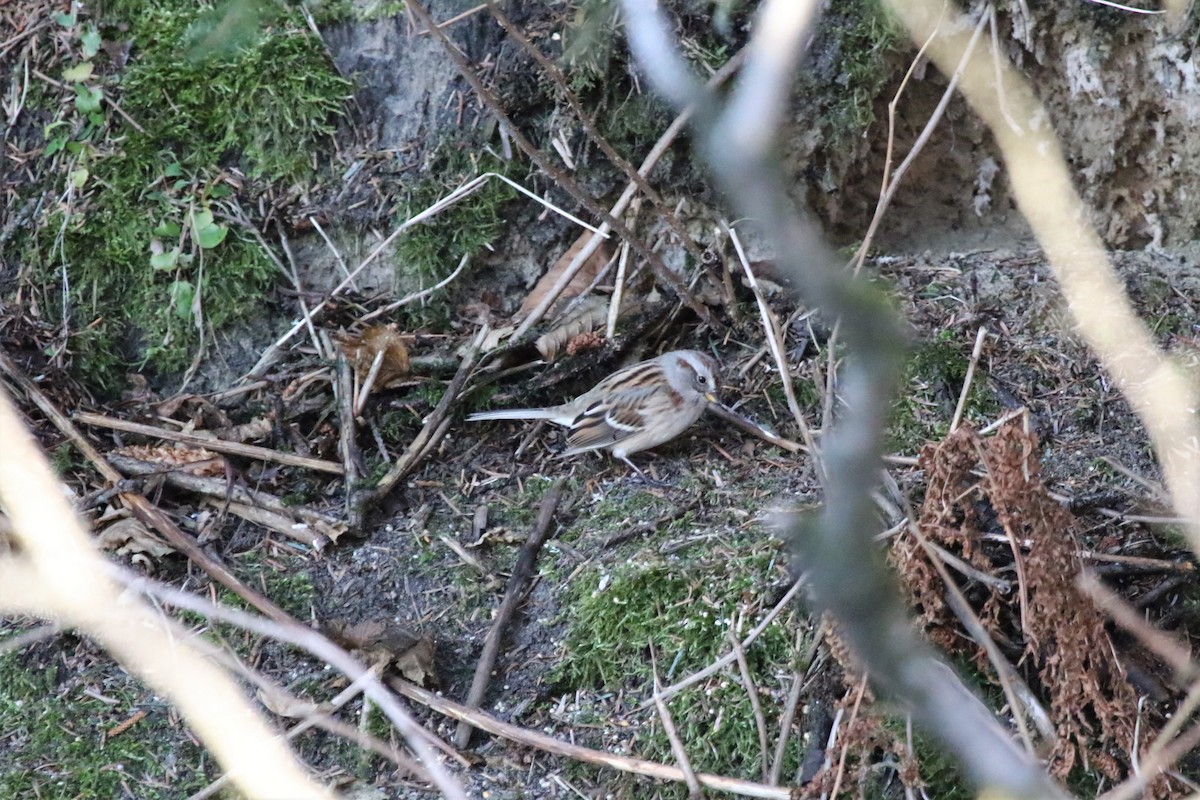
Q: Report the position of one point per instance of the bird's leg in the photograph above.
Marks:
(646, 479)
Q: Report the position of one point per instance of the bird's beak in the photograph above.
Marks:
(712, 398)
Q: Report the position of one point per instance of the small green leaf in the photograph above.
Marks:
(90, 39)
(165, 260)
(87, 99)
(74, 148)
(220, 191)
(167, 228)
(182, 183)
(67, 20)
(182, 293)
(173, 170)
(54, 145)
(202, 219)
(97, 119)
(211, 236)
(78, 73)
(78, 177)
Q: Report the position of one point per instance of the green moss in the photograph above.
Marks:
(431, 250)
(210, 92)
(616, 615)
(929, 391)
(861, 37)
(56, 742)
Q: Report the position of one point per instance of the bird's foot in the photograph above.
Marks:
(644, 478)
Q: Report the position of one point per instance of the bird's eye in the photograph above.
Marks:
(702, 379)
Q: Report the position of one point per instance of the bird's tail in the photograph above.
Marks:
(514, 413)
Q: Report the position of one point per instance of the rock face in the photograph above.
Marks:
(407, 87)
(1121, 88)
(1123, 94)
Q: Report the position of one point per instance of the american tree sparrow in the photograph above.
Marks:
(633, 409)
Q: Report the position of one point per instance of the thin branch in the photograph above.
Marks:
(518, 584)
(664, 274)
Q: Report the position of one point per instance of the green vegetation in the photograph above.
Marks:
(617, 614)
(58, 741)
(861, 35)
(932, 381)
(145, 245)
(430, 251)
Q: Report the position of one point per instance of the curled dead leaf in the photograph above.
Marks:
(590, 316)
(129, 536)
(582, 280)
(382, 343)
(409, 652)
(285, 704)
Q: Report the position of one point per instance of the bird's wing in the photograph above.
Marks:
(603, 424)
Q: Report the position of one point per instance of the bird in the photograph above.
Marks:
(634, 408)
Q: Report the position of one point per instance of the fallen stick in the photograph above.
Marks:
(436, 425)
(753, 428)
(548, 744)
(348, 427)
(324, 527)
(518, 583)
(209, 442)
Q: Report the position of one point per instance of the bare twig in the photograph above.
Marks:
(347, 433)
(290, 631)
(1042, 184)
(60, 576)
(209, 442)
(755, 703)
(775, 342)
(422, 294)
(970, 377)
(635, 177)
(727, 659)
(323, 528)
(846, 573)
(753, 428)
(668, 723)
(271, 352)
(1176, 655)
(436, 424)
(518, 584)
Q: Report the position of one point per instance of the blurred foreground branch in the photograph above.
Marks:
(60, 576)
(845, 570)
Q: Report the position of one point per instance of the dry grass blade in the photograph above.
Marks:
(142, 508)
(845, 574)
(775, 342)
(436, 424)
(573, 282)
(755, 703)
(664, 274)
(668, 723)
(976, 352)
(292, 632)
